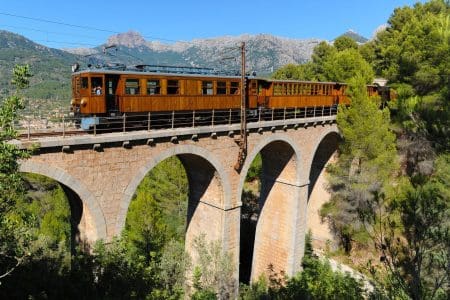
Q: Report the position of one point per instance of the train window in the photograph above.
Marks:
(153, 87)
(277, 89)
(283, 89)
(221, 87)
(234, 88)
(97, 85)
(132, 87)
(207, 87)
(173, 87)
(84, 82)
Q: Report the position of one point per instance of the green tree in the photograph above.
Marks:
(295, 72)
(414, 53)
(213, 271)
(339, 62)
(367, 158)
(317, 280)
(14, 235)
(345, 42)
(343, 65)
(145, 227)
(167, 183)
(320, 54)
(414, 234)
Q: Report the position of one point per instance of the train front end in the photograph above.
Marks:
(88, 98)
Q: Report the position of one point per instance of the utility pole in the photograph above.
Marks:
(243, 139)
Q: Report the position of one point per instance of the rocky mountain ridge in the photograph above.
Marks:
(265, 52)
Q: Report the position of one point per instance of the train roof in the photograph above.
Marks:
(157, 70)
(168, 74)
(298, 81)
(186, 71)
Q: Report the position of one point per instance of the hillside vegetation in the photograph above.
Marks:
(390, 193)
(50, 84)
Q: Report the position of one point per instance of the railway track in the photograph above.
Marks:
(34, 135)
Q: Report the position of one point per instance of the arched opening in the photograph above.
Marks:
(58, 210)
(317, 191)
(155, 223)
(268, 229)
(187, 190)
(179, 198)
(92, 226)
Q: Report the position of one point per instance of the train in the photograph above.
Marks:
(102, 93)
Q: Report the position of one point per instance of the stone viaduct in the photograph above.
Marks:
(100, 174)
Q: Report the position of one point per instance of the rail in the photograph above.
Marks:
(64, 125)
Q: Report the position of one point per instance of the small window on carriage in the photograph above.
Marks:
(277, 89)
(153, 87)
(84, 82)
(132, 87)
(221, 87)
(173, 87)
(207, 88)
(97, 85)
(234, 88)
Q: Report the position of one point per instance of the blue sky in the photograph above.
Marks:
(186, 20)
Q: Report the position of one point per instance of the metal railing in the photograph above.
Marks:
(66, 125)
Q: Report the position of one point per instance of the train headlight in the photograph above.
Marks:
(75, 67)
(84, 101)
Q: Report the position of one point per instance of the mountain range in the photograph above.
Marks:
(265, 53)
(51, 67)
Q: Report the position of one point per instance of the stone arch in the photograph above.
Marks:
(279, 235)
(94, 218)
(257, 149)
(324, 150)
(208, 185)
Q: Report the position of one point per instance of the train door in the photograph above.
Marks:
(112, 104)
(263, 99)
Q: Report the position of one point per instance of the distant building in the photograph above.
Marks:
(380, 81)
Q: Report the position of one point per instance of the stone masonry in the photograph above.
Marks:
(105, 170)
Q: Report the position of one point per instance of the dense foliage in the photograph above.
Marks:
(14, 229)
(50, 67)
(366, 161)
(316, 281)
(403, 209)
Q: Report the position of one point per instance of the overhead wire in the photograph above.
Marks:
(87, 27)
(47, 32)
(92, 28)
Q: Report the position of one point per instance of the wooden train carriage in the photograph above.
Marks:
(288, 94)
(104, 92)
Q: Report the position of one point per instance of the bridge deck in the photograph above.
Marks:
(60, 141)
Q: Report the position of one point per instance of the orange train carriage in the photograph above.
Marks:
(100, 93)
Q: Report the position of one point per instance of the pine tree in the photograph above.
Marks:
(367, 158)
